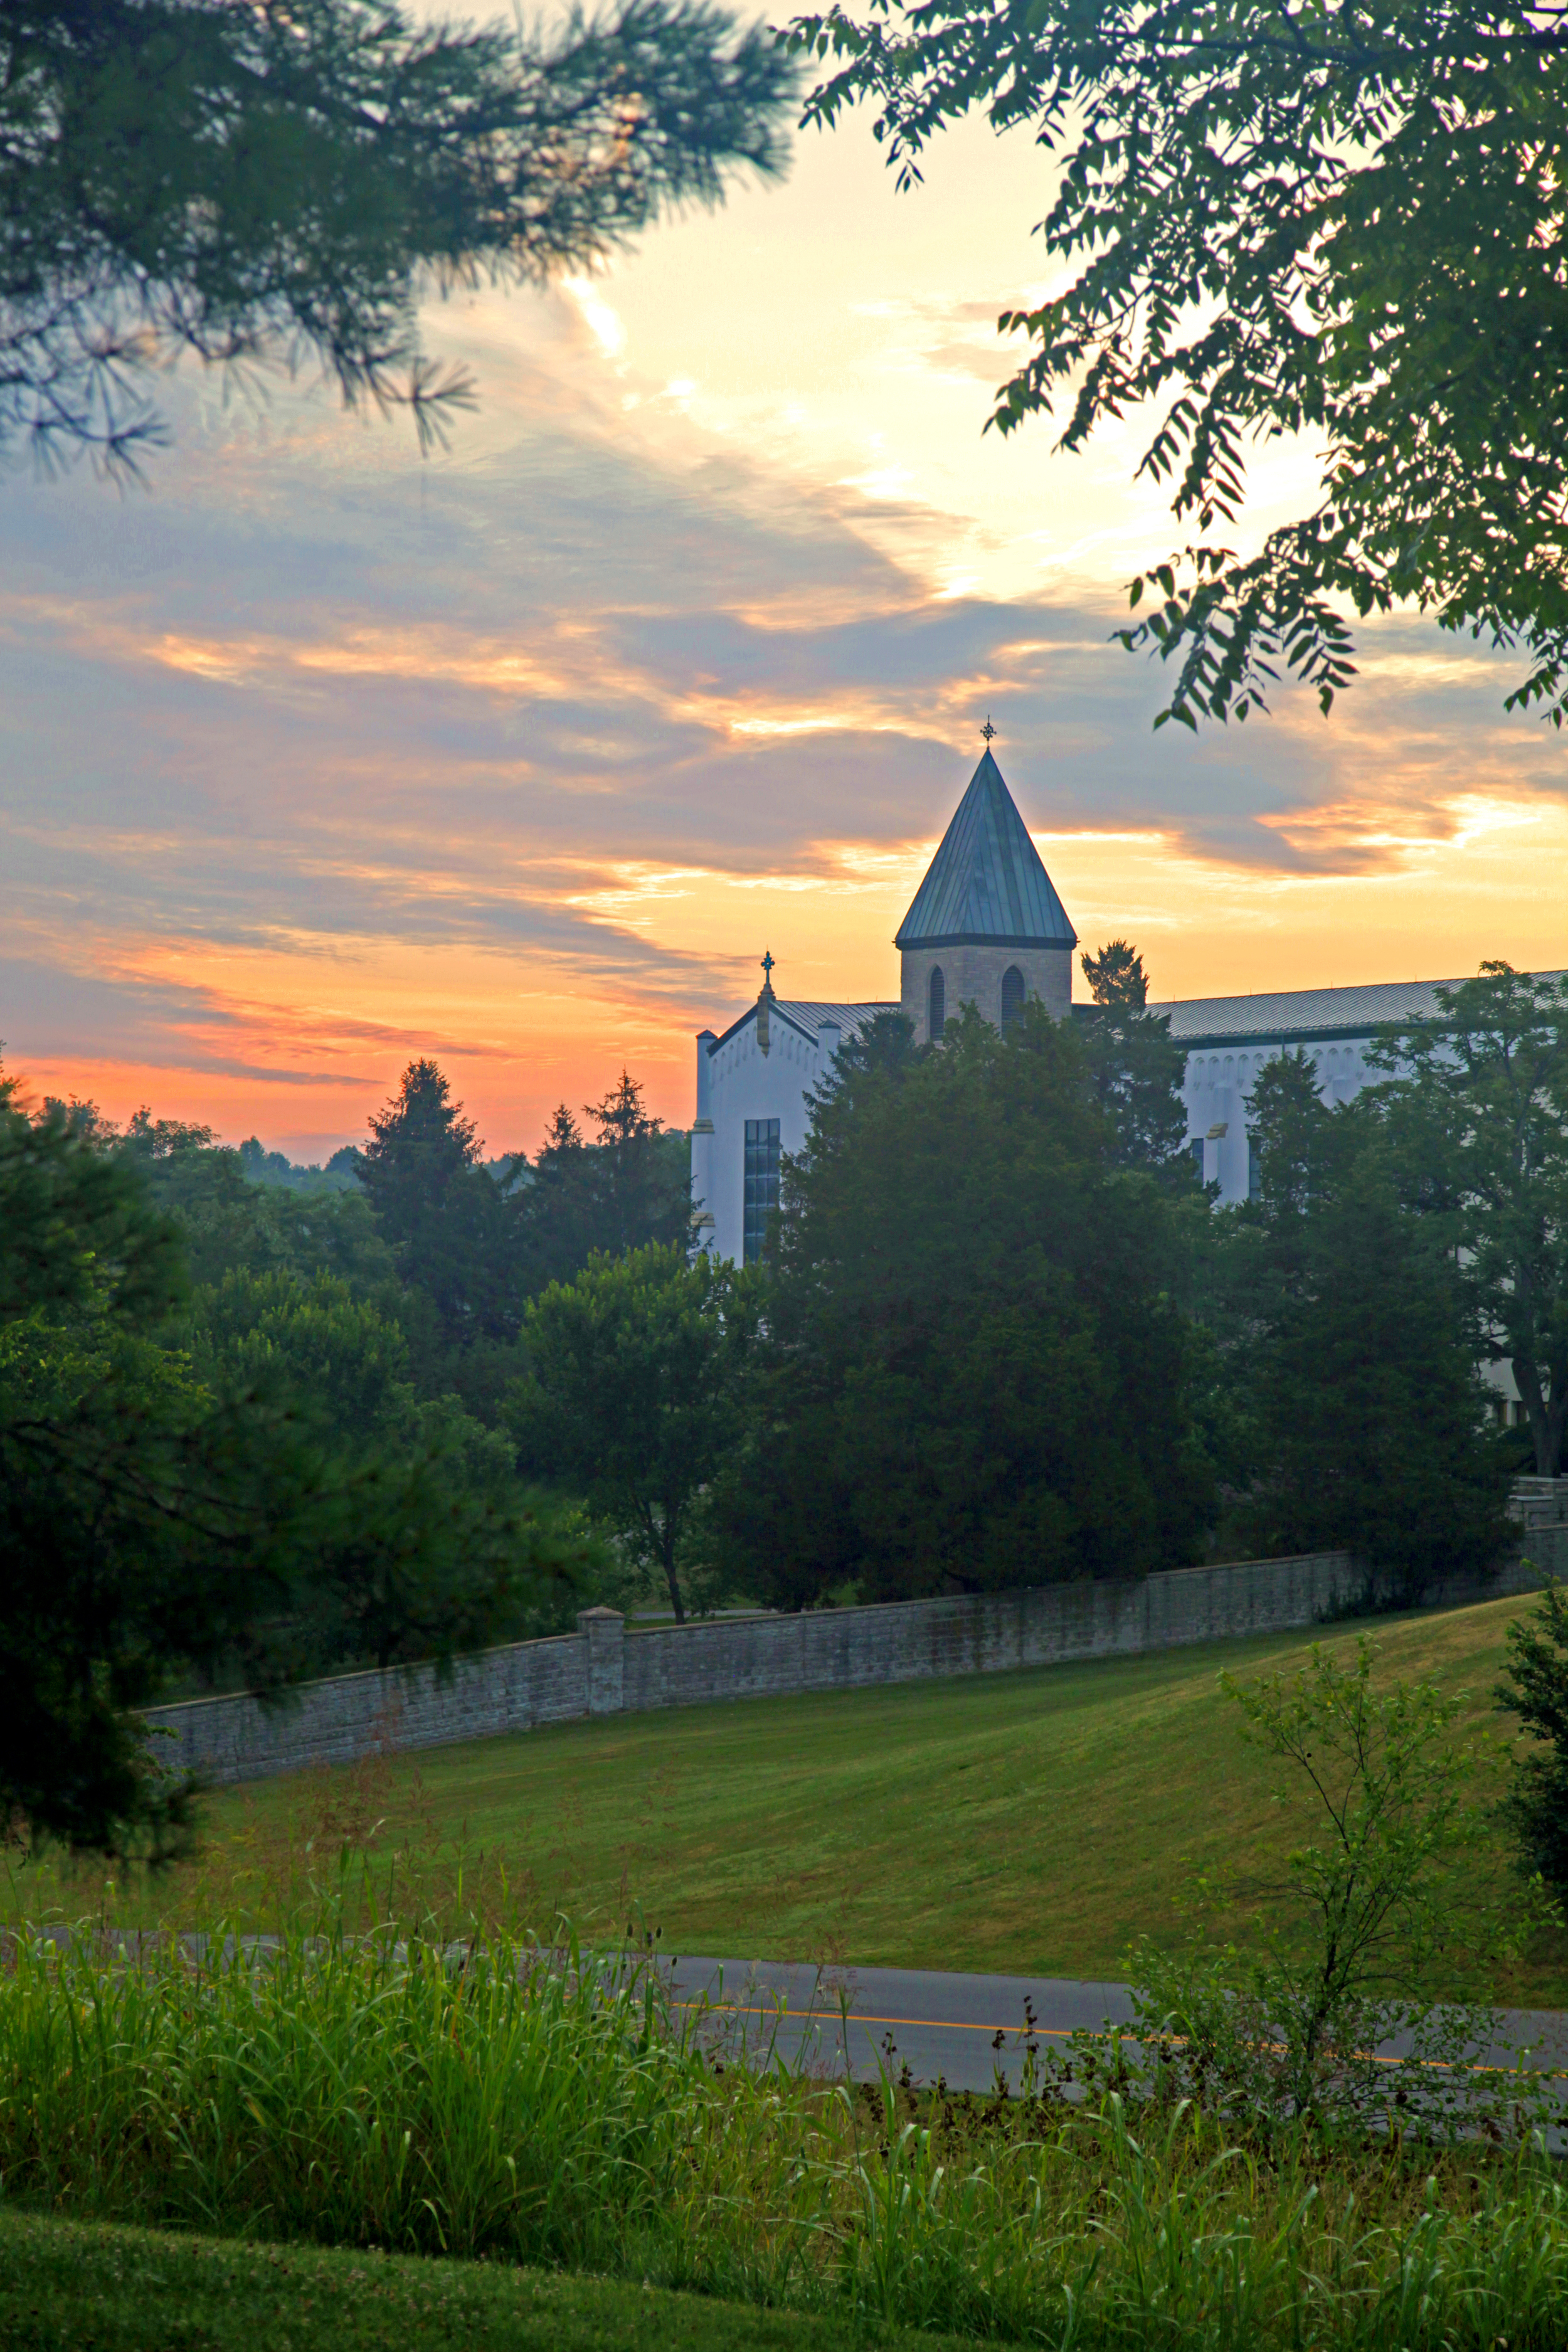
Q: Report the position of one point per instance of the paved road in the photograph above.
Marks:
(946, 2024)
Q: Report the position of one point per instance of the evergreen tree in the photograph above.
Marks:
(254, 183)
(629, 1190)
(557, 1207)
(643, 1174)
(1535, 1689)
(1116, 976)
(451, 1231)
(1136, 1068)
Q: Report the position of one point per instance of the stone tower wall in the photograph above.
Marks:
(973, 976)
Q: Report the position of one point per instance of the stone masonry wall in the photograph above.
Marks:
(972, 975)
(599, 1669)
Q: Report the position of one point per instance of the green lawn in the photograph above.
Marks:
(1024, 1821)
(64, 2286)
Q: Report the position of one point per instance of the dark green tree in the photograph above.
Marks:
(279, 182)
(630, 1189)
(446, 1219)
(975, 1374)
(644, 1174)
(424, 1540)
(1349, 1349)
(226, 1224)
(1136, 1068)
(635, 1396)
(1477, 1108)
(224, 1219)
(1343, 222)
(190, 1483)
(341, 1360)
(1535, 1689)
(1116, 976)
(558, 1209)
(131, 1538)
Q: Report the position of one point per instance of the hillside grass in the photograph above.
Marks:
(66, 2284)
(1029, 1822)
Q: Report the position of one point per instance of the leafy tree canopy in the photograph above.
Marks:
(636, 1394)
(222, 1222)
(264, 1167)
(233, 1478)
(1477, 1112)
(975, 1374)
(1348, 1352)
(279, 181)
(1343, 220)
(123, 1537)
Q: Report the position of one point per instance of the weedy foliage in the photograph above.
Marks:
(486, 2098)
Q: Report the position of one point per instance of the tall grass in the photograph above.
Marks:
(475, 2099)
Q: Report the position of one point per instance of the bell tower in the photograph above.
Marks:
(986, 926)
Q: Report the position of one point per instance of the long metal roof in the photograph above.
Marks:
(1206, 1020)
(985, 886)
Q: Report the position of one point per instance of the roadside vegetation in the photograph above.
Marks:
(468, 2102)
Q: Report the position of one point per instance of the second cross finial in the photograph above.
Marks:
(988, 730)
(767, 967)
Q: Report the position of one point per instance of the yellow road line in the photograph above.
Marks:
(1041, 2033)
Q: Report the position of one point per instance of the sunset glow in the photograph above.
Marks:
(318, 755)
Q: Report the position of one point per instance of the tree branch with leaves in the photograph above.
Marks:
(1338, 221)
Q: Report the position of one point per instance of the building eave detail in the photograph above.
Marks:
(989, 940)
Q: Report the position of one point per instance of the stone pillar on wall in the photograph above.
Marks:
(604, 1631)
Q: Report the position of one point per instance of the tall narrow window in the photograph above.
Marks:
(1012, 996)
(1196, 1146)
(936, 1017)
(1254, 1170)
(761, 1196)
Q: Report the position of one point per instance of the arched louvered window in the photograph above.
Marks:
(1012, 996)
(936, 1010)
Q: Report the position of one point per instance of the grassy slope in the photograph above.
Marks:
(65, 2285)
(1028, 1821)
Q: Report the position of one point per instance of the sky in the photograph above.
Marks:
(317, 755)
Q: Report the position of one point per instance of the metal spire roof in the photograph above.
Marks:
(985, 886)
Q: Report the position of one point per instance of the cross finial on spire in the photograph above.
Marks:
(988, 730)
(767, 967)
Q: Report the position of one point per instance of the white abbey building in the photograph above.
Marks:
(986, 927)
